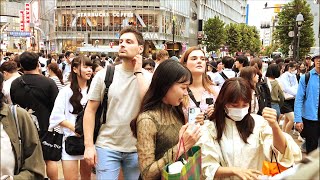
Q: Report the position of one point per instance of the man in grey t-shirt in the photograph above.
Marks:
(115, 145)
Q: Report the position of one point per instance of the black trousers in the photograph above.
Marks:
(311, 131)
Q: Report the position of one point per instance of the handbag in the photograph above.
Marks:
(191, 169)
(102, 109)
(272, 168)
(51, 144)
(74, 145)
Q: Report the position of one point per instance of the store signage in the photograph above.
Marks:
(150, 35)
(27, 12)
(19, 33)
(21, 16)
(103, 14)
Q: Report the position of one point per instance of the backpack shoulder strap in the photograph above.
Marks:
(107, 81)
(13, 109)
(307, 77)
(223, 75)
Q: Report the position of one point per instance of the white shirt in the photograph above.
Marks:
(289, 83)
(62, 111)
(7, 156)
(66, 72)
(44, 62)
(7, 86)
(234, 152)
(219, 80)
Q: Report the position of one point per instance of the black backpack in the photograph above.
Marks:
(102, 109)
(263, 95)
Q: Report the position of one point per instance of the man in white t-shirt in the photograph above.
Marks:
(226, 73)
(10, 73)
(115, 146)
(65, 66)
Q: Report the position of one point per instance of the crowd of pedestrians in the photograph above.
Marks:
(240, 111)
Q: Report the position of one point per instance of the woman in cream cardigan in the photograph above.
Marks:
(235, 143)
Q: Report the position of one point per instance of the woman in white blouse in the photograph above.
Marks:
(202, 87)
(289, 83)
(235, 143)
(69, 102)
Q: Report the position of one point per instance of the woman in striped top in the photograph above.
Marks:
(56, 75)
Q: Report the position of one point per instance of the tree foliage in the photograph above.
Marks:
(233, 37)
(287, 18)
(215, 34)
(241, 37)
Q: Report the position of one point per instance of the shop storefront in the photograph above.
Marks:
(75, 27)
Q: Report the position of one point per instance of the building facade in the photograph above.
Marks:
(76, 23)
(10, 38)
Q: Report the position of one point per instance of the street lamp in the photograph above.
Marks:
(299, 21)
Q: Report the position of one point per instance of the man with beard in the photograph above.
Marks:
(115, 146)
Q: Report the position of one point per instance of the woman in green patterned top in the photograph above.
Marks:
(161, 122)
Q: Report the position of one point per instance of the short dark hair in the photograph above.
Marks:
(228, 62)
(29, 60)
(137, 34)
(148, 62)
(9, 66)
(273, 71)
(67, 54)
(243, 60)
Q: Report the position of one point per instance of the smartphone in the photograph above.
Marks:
(192, 114)
(209, 101)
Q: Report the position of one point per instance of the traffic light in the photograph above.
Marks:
(265, 25)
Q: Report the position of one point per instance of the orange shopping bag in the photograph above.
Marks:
(272, 168)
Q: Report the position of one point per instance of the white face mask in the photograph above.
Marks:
(237, 114)
(294, 72)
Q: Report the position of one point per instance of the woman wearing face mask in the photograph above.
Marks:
(289, 83)
(302, 69)
(234, 143)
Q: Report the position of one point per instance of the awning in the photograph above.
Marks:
(98, 49)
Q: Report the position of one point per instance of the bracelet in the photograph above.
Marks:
(135, 73)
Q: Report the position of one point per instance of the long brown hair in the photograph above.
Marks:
(248, 73)
(55, 69)
(206, 82)
(233, 91)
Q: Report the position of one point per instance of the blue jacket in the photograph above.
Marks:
(307, 99)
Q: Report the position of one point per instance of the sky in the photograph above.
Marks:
(257, 14)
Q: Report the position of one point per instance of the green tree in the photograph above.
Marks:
(215, 34)
(287, 18)
(233, 37)
(250, 38)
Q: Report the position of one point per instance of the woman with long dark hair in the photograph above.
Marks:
(235, 143)
(161, 121)
(69, 102)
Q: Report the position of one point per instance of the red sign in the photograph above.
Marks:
(27, 12)
(21, 15)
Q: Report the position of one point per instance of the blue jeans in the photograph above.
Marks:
(110, 161)
(277, 108)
